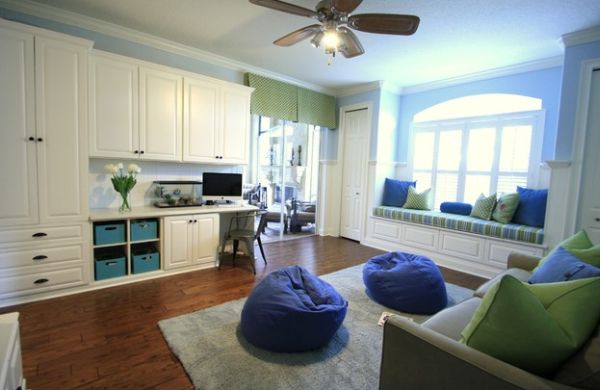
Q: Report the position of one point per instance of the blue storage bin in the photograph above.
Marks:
(144, 229)
(146, 262)
(110, 267)
(109, 233)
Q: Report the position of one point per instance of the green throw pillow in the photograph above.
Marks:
(484, 207)
(579, 245)
(418, 201)
(534, 327)
(506, 207)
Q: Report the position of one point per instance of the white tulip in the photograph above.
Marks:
(134, 168)
(120, 165)
(111, 168)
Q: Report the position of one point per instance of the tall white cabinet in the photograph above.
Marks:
(43, 154)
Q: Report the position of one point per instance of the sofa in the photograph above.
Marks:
(429, 356)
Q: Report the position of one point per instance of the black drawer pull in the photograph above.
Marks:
(110, 228)
(145, 258)
(40, 234)
(41, 281)
(143, 225)
(39, 257)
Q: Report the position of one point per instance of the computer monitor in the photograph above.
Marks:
(221, 186)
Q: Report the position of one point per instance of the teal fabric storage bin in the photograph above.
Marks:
(144, 229)
(146, 262)
(107, 267)
(109, 233)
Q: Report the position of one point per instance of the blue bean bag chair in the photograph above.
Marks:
(291, 310)
(405, 282)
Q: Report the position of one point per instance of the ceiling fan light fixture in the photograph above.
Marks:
(316, 40)
(331, 40)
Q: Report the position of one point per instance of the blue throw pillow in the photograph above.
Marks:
(456, 208)
(395, 192)
(532, 207)
(561, 266)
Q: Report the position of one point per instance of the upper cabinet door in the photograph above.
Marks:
(113, 108)
(17, 125)
(61, 114)
(160, 115)
(201, 120)
(236, 126)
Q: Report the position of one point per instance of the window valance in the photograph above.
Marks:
(281, 100)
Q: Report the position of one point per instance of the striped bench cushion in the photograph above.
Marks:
(509, 231)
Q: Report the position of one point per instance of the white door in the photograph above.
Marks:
(17, 129)
(354, 169)
(236, 126)
(589, 201)
(201, 120)
(206, 234)
(160, 115)
(113, 108)
(178, 241)
(61, 116)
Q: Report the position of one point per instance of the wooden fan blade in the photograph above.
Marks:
(285, 7)
(298, 35)
(351, 46)
(345, 6)
(385, 23)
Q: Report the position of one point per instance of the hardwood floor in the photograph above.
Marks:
(109, 338)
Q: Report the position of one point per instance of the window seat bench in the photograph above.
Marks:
(454, 241)
(507, 231)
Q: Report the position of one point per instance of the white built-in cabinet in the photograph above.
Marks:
(43, 154)
(190, 240)
(147, 111)
(135, 111)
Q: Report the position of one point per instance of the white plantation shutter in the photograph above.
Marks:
(461, 159)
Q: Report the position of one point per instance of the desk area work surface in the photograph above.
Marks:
(150, 211)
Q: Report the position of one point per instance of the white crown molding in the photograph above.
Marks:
(487, 74)
(357, 89)
(580, 37)
(85, 22)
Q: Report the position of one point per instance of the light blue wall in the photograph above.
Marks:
(544, 84)
(372, 97)
(389, 125)
(574, 55)
(128, 48)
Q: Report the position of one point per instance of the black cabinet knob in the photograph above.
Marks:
(41, 281)
(190, 221)
(40, 234)
(135, 151)
(31, 138)
(39, 257)
(40, 139)
(141, 152)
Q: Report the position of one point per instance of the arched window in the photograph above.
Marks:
(480, 144)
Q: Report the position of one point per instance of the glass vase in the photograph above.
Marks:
(125, 203)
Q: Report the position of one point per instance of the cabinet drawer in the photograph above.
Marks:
(497, 252)
(386, 230)
(40, 256)
(461, 245)
(39, 234)
(41, 281)
(420, 237)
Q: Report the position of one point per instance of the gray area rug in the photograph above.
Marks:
(215, 355)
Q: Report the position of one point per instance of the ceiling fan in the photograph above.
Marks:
(333, 32)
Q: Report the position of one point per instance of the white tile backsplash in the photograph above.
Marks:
(101, 192)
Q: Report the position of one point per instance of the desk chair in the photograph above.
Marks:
(241, 228)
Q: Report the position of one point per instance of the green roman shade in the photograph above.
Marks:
(273, 98)
(316, 108)
(281, 100)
